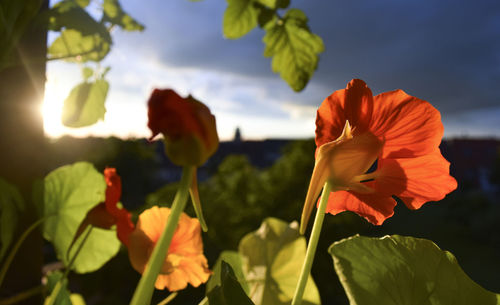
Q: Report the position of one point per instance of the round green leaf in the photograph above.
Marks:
(70, 192)
(398, 270)
(272, 260)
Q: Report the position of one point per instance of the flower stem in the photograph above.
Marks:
(313, 244)
(145, 288)
(12, 254)
(57, 288)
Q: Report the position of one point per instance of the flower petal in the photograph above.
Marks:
(410, 126)
(417, 180)
(375, 208)
(353, 104)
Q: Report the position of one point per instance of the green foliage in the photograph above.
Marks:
(15, 17)
(11, 206)
(268, 264)
(85, 104)
(74, 46)
(229, 291)
(240, 18)
(233, 259)
(87, 73)
(294, 49)
(71, 14)
(64, 297)
(69, 193)
(114, 14)
(403, 270)
(272, 260)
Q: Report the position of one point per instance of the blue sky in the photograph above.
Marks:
(446, 52)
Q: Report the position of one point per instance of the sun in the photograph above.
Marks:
(52, 107)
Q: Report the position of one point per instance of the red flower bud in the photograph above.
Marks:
(187, 125)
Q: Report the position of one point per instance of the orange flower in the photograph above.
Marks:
(185, 262)
(186, 124)
(107, 213)
(397, 132)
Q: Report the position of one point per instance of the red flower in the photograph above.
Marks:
(399, 132)
(187, 125)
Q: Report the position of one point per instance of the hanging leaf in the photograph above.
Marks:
(274, 4)
(398, 270)
(240, 18)
(70, 14)
(114, 14)
(229, 291)
(74, 46)
(11, 206)
(295, 50)
(69, 193)
(85, 104)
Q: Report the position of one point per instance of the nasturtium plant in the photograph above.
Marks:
(114, 14)
(69, 193)
(11, 206)
(73, 45)
(240, 18)
(234, 259)
(64, 297)
(228, 290)
(295, 50)
(268, 264)
(399, 270)
(85, 104)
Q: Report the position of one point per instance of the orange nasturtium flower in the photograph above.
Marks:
(185, 262)
(397, 132)
(187, 125)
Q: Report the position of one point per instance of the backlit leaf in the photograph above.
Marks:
(74, 46)
(272, 260)
(295, 50)
(69, 193)
(11, 206)
(240, 18)
(398, 270)
(70, 14)
(229, 291)
(232, 258)
(85, 104)
(114, 14)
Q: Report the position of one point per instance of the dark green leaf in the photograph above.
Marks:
(69, 193)
(73, 46)
(272, 260)
(230, 291)
(398, 270)
(294, 49)
(69, 14)
(267, 18)
(240, 18)
(85, 104)
(11, 206)
(114, 14)
(234, 260)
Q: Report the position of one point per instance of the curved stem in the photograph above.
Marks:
(313, 244)
(168, 299)
(55, 292)
(12, 254)
(144, 290)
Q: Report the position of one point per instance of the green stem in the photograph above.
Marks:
(55, 292)
(145, 288)
(12, 254)
(313, 244)
(23, 295)
(168, 299)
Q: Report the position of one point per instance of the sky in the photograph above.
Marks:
(446, 52)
